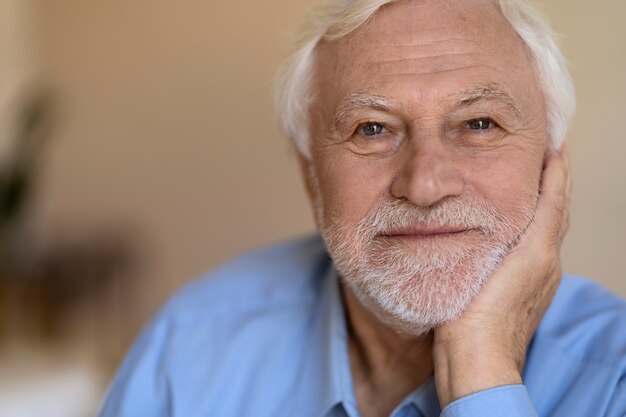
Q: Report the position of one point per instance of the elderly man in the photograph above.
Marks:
(430, 139)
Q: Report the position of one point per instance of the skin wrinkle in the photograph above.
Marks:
(358, 101)
(424, 45)
(432, 66)
(431, 72)
(419, 58)
(491, 93)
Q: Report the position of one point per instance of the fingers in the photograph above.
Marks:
(568, 189)
(552, 214)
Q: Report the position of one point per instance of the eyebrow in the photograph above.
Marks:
(490, 92)
(359, 101)
(467, 97)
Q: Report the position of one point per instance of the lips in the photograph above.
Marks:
(426, 232)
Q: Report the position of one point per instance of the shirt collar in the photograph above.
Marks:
(334, 361)
(425, 399)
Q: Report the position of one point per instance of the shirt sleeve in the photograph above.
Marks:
(508, 400)
(140, 387)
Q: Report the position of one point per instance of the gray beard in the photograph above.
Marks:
(413, 290)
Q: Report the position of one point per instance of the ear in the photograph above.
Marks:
(307, 171)
(305, 166)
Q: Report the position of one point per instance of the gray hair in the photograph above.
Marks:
(341, 17)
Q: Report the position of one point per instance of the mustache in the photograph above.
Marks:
(463, 212)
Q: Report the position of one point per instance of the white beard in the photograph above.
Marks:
(414, 289)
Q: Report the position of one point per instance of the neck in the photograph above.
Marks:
(386, 365)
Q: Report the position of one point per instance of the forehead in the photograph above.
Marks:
(422, 47)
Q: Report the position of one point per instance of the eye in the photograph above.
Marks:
(371, 129)
(376, 139)
(480, 124)
(477, 131)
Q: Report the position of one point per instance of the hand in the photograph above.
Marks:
(486, 346)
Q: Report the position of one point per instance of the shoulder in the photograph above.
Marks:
(279, 274)
(245, 318)
(587, 322)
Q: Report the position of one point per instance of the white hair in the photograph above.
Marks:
(341, 17)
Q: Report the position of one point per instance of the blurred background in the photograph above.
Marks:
(138, 149)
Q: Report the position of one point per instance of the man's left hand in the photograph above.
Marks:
(486, 346)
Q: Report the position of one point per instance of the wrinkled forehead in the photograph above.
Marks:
(427, 37)
(433, 23)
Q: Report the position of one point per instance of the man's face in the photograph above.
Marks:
(428, 137)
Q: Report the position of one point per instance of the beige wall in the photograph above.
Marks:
(17, 65)
(594, 40)
(167, 131)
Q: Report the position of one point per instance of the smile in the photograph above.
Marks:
(427, 232)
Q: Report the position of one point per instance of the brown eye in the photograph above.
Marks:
(480, 124)
(372, 129)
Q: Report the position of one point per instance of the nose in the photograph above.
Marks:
(427, 174)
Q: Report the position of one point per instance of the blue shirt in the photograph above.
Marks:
(265, 336)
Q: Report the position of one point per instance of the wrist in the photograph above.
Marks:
(459, 373)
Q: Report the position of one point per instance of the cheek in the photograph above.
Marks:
(350, 187)
(511, 183)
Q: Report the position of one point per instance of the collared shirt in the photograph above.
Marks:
(265, 335)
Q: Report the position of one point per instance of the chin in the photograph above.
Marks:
(413, 293)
